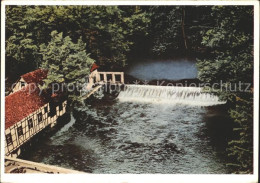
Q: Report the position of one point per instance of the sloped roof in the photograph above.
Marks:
(22, 103)
(36, 76)
(94, 67)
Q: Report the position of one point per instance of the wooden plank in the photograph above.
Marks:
(12, 164)
(92, 92)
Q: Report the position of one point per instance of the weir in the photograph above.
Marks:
(169, 94)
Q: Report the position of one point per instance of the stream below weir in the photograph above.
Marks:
(143, 130)
(109, 136)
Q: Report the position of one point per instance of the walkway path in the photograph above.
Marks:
(15, 165)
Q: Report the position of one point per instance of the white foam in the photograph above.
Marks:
(67, 126)
(168, 94)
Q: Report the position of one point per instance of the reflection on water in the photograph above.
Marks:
(175, 69)
(123, 137)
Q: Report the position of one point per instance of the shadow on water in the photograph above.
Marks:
(109, 136)
(51, 147)
(129, 133)
(219, 126)
(170, 69)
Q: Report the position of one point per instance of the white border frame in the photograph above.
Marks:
(127, 178)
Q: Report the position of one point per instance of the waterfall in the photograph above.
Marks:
(168, 94)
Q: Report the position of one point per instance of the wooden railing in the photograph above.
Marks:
(100, 78)
(105, 77)
(112, 77)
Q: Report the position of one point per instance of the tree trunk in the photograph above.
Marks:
(183, 29)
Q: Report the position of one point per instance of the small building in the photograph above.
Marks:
(28, 110)
(36, 76)
(97, 77)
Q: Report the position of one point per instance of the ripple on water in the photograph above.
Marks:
(135, 138)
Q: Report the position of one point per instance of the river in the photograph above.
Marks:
(170, 69)
(112, 135)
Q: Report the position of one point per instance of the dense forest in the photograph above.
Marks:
(68, 39)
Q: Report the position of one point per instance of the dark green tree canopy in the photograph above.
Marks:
(66, 62)
(230, 42)
(67, 39)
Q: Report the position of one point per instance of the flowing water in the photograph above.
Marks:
(119, 136)
(146, 129)
(168, 94)
(174, 69)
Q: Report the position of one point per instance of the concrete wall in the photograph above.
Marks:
(27, 132)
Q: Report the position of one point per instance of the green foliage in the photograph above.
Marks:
(177, 29)
(110, 32)
(241, 147)
(231, 62)
(110, 35)
(166, 29)
(67, 62)
(21, 48)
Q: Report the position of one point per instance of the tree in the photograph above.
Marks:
(176, 29)
(67, 63)
(166, 29)
(110, 32)
(21, 48)
(231, 61)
